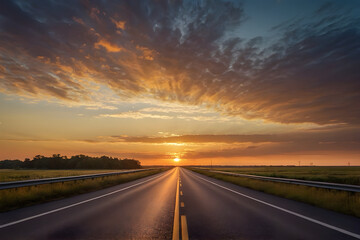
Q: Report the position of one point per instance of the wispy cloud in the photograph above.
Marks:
(177, 109)
(134, 115)
(167, 113)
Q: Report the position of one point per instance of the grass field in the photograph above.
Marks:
(344, 175)
(9, 175)
(25, 196)
(340, 201)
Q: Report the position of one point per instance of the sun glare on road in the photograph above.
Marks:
(176, 159)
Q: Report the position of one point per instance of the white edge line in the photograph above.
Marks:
(288, 211)
(74, 204)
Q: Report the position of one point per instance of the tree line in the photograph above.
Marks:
(56, 161)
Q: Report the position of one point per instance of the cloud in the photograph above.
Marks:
(134, 115)
(101, 107)
(338, 136)
(108, 46)
(119, 24)
(202, 139)
(289, 149)
(147, 53)
(187, 109)
(186, 52)
(185, 113)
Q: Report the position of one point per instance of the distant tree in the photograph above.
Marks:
(11, 164)
(56, 161)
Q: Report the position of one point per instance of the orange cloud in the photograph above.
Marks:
(108, 46)
(147, 53)
(119, 24)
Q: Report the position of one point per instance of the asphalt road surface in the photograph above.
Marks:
(208, 209)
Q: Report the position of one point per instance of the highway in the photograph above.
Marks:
(143, 211)
(177, 203)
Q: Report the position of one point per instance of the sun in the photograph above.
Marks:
(176, 159)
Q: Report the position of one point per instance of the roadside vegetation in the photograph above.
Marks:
(343, 174)
(9, 175)
(25, 196)
(340, 201)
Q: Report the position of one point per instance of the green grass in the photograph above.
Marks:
(25, 196)
(339, 201)
(9, 175)
(343, 175)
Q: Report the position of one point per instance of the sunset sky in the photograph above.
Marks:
(228, 82)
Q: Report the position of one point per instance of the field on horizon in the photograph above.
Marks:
(342, 174)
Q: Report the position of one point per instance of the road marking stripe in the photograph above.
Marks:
(181, 193)
(182, 204)
(75, 204)
(180, 185)
(288, 211)
(184, 230)
(176, 228)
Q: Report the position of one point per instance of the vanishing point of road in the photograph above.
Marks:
(176, 204)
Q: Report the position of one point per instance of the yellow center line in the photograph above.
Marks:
(176, 229)
(184, 229)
